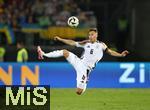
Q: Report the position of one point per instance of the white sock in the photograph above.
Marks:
(54, 54)
(83, 90)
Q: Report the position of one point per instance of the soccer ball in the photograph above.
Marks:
(73, 21)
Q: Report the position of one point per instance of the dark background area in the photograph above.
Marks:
(134, 38)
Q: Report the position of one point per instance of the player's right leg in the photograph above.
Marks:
(53, 54)
(40, 53)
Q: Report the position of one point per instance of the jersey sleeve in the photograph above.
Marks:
(104, 46)
(78, 45)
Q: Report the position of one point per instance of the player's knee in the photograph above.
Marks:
(65, 53)
(78, 92)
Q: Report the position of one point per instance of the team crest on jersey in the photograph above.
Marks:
(88, 46)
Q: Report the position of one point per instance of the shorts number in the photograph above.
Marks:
(91, 52)
(83, 77)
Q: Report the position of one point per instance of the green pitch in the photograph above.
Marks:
(101, 99)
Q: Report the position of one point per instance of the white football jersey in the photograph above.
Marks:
(93, 52)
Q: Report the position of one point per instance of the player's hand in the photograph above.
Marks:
(124, 53)
(57, 38)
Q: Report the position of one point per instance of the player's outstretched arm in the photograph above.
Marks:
(66, 41)
(116, 54)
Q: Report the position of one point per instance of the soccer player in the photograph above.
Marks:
(93, 52)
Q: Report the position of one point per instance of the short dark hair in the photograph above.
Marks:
(93, 29)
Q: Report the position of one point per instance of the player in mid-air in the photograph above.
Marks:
(93, 52)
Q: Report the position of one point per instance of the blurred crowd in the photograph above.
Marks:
(44, 13)
(16, 14)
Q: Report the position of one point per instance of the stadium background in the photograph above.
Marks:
(122, 24)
